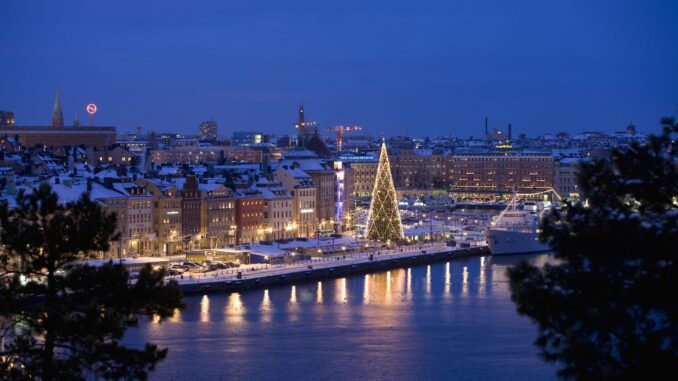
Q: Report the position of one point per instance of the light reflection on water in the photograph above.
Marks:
(426, 322)
(205, 309)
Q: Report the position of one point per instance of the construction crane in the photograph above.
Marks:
(340, 133)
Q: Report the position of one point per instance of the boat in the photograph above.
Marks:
(516, 229)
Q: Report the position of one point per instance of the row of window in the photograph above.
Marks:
(139, 217)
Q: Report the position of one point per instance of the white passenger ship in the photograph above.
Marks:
(516, 231)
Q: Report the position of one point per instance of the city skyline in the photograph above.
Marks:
(425, 69)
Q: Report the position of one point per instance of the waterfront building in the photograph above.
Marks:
(208, 131)
(324, 178)
(219, 221)
(191, 212)
(485, 174)
(278, 215)
(167, 222)
(113, 202)
(249, 216)
(300, 185)
(140, 234)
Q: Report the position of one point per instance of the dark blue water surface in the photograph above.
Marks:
(451, 320)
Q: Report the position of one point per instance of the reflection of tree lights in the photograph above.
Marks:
(205, 309)
(366, 289)
(409, 281)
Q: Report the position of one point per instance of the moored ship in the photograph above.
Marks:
(516, 231)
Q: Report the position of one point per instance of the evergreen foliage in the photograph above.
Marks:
(383, 222)
(609, 309)
(64, 321)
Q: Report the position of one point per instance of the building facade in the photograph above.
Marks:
(208, 131)
(191, 213)
(486, 174)
(220, 224)
(249, 218)
(303, 191)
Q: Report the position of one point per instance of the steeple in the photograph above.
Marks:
(57, 114)
(301, 115)
(301, 135)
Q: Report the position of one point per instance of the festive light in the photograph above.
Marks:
(383, 220)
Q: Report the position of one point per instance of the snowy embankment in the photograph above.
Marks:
(250, 276)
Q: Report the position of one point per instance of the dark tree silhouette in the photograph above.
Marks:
(64, 321)
(609, 308)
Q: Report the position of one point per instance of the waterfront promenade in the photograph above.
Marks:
(264, 275)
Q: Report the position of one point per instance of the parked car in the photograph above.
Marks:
(190, 265)
(172, 272)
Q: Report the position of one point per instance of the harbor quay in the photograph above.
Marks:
(265, 275)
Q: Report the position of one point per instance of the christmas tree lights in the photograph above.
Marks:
(383, 221)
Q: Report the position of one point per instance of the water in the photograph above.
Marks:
(451, 320)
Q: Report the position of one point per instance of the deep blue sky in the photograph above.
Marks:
(431, 67)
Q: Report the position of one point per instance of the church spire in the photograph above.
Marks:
(301, 135)
(57, 114)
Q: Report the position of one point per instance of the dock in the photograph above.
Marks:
(323, 268)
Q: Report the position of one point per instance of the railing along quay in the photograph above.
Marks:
(322, 268)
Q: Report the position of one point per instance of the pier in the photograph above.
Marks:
(264, 276)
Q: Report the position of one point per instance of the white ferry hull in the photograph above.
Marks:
(505, 242)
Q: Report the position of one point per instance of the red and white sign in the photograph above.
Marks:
(91, 108)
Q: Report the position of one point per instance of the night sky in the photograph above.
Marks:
(425, 67)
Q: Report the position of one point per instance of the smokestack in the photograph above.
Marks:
(485, 126)
(509, 131)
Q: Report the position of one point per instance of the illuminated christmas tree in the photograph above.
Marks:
(383, 221)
